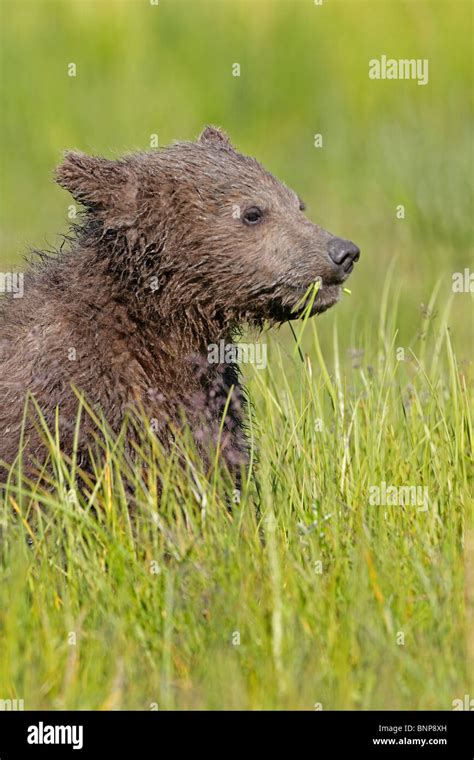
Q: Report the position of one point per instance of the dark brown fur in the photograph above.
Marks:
(161, 267)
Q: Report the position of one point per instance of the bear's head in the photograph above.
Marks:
(199, 225)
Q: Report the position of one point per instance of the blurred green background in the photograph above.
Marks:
(167, 69)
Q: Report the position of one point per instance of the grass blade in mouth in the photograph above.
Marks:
(311, 293)
(308, 298)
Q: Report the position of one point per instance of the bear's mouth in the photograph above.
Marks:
(292, 304)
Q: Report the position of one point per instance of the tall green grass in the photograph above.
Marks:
(304, 595)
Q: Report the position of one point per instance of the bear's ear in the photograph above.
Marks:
(215, 136)
(99, 184)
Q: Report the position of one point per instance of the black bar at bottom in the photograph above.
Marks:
(374, 734)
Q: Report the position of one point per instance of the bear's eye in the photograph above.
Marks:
(253, 215)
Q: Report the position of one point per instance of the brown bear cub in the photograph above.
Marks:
(177, 249)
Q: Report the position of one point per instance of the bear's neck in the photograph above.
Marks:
(170, 323)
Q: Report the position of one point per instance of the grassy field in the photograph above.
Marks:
(311, 594)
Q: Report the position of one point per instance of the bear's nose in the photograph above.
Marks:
(343, 252)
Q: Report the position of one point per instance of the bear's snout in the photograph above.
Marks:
(344, 254)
